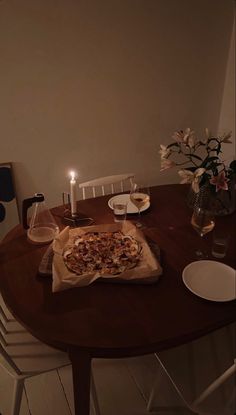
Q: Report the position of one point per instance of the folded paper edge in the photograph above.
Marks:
(71, 280)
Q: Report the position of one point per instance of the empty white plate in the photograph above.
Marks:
(211, 280)
(125, 198)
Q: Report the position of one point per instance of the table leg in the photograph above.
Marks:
(81, 371)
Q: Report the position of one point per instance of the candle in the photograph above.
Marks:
(73, 193)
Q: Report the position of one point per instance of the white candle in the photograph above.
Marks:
(73, 194)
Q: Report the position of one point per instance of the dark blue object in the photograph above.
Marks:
(7, 192)
(2, 212)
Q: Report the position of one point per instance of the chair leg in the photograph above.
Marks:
(155, 386)
(186, 407)
(176, 409)
(94, 395)
(215, 384)
(18, 390)
(231, 404)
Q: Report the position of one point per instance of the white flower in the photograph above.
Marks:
(164, 151)
(178, 136)
(166, 164)
(207, 132)
(197, 153)
(207, 136)
(191, 139)
(187, 137)
(193, 178)
(226, 138)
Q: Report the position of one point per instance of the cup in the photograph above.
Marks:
(119, 211)
(220, 243)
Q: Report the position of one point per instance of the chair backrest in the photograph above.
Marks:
(107, 185)
(24, 356)
(20, 352)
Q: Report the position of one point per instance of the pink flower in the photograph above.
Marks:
(220, 181)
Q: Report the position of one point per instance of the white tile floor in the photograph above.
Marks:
(124, 385)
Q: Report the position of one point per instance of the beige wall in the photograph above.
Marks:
(97, 85)
(227, 112)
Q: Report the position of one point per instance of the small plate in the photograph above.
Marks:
(211, 280)
(125, 198)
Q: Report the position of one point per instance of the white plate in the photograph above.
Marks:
(125, 198)
(211, 280)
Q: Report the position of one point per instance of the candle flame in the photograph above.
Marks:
(72, 175)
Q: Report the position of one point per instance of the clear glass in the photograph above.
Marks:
(119, 211)
(220, 242)
(139, 196)
(202, 222)
(43, 228)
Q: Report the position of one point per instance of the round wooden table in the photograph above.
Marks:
(116, 320)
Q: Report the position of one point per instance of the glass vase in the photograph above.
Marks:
(219, 203)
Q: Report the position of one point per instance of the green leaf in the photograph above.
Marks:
(213, 166)
(173, 145)
(213, 139)
(218, 151)
(212, 158)
(194, 156)
(192, 169)
(233, 166)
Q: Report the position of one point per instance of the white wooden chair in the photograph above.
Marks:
(205, 403)
(196, 406)
(23, 356)
(107, 185)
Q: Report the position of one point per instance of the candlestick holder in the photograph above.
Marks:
(73, 219)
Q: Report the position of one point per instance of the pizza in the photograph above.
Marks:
(102, 253)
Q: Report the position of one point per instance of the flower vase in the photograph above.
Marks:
(219, 203)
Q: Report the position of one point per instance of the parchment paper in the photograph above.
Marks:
(148, 269)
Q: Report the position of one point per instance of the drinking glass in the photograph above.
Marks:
(220, 241)
(119, 211)
(139, 196)
(203, 222)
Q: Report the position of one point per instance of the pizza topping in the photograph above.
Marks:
(102, 253)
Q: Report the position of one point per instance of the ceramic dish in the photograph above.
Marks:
(125, 198)
(210, 280)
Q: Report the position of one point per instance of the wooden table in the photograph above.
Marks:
(116, 320)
